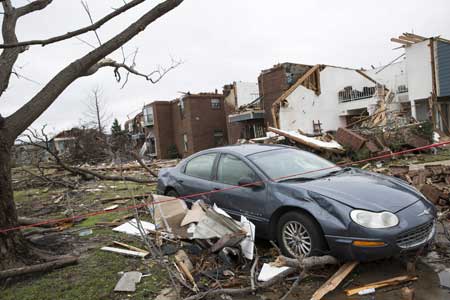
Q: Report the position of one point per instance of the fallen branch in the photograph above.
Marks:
(32, 221)
(45, 267)
(142, 164)
(306, 263)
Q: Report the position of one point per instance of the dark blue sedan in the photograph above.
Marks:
(307, 204)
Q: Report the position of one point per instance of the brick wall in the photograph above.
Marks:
(163, 127)
(199, 122)
(273, 82)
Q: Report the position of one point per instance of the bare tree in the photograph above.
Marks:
(14, 250)
(96, 113)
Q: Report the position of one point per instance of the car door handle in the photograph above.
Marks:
(179, 181)
(216, 189)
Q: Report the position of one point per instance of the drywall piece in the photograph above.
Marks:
(125, 252)
(127, 283)
(248, 244)
(215, 224)
(268, 272)
(131, 227)
(194, 215)
(169, 212)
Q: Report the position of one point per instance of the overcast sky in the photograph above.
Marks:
(220, 41)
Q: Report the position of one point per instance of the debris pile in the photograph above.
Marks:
(433, 180)
(386, 139)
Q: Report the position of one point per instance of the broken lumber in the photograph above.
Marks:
(130, 247)
(313, 143)
(183, 262)
(334, 280)
(379, 284)
(125, 252)
(45, 267)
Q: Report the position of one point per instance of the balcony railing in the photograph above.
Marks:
(349, 94)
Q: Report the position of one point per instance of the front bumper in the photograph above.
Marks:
(415, 231)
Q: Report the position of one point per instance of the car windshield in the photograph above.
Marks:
(293, 165)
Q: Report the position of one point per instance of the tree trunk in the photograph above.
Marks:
(13, 247)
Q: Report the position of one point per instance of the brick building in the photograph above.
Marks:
(186, 125)
(274, 82)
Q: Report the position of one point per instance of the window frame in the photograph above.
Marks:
(215, 105)
(216, 167)
(213, 169)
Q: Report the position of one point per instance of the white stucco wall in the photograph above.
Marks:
(391, 76)
(305, 106)
(246, 92)
(418, 68)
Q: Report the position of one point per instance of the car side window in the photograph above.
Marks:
(201, 166)
(231, 169)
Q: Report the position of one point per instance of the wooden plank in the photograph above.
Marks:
(334, 280)
(125, 252)
(130, 247)
(379, 284)
(395, 40)
(409, 39)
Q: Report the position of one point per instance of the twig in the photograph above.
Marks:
(294, 285)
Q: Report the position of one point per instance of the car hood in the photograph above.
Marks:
(363, 190)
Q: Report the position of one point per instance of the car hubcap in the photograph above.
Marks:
(296, 239)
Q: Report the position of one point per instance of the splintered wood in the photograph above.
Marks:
(379, 284)
(334, 280)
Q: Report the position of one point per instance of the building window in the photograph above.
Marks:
(402, 89)
(181, 107)
(218, 138)
(148, 116)
(215, 103)
(185, 142)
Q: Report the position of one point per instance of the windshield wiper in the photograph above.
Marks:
(298, 179)
(336, 172)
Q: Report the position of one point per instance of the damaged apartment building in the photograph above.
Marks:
(183, 126)
(249, 104)
(416, 85)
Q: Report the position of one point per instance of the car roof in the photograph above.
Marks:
(247, 149)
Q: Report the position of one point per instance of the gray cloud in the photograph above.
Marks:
(220, 41)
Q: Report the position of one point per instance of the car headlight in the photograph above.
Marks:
(370, 219)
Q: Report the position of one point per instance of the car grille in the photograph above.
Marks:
(416, 236)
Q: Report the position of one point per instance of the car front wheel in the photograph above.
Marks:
(298, 235)
(172, 193)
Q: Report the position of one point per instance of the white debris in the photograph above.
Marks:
(268, 272)
(131, 227)
(248, 244)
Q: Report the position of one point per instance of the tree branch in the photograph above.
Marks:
(153, 76)
(32, 6)
(8, 57)
(72, 34)
(29, 112)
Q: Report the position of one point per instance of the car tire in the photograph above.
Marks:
(172, 193)
(298, 234)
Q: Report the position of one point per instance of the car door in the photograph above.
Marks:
(196, 176)
(249, 201)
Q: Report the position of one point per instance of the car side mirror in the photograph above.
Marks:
(250, 183)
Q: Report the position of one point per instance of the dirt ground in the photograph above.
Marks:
(97, 272)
